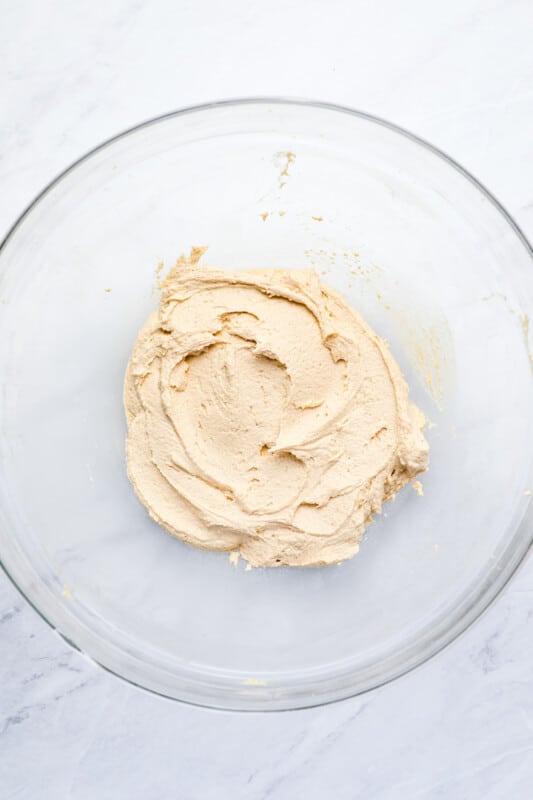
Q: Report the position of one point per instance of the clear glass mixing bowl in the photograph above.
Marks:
(416, 245)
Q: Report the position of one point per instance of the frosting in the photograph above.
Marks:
(265, 416)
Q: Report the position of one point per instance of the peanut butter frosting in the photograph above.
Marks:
(265, 416)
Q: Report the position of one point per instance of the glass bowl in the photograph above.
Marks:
(416, 245)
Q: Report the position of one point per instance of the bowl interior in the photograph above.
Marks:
(415, 246)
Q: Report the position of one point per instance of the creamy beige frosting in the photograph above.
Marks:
(265, 416)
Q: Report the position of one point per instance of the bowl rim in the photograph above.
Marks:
(486, 594)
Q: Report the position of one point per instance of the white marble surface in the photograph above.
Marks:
(458, 73)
